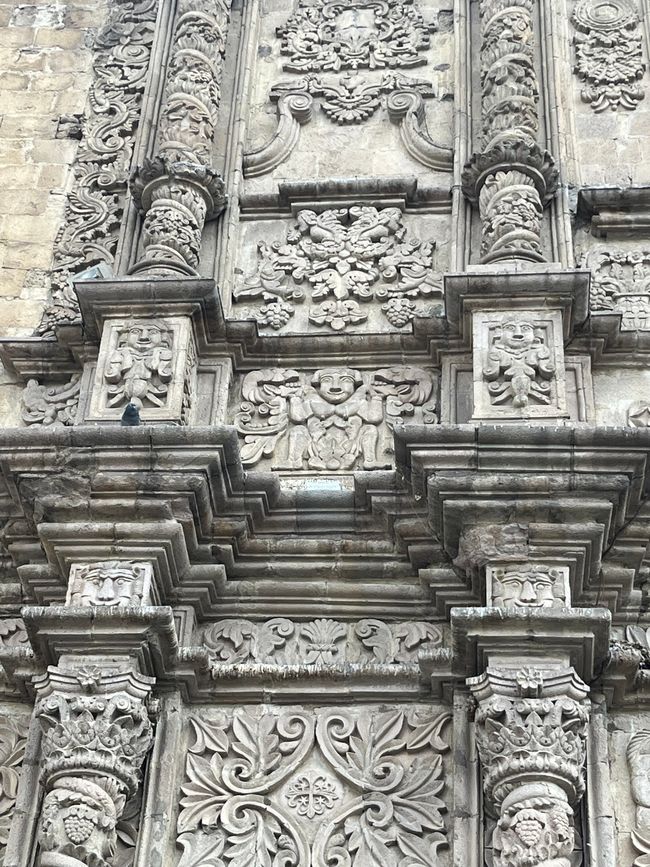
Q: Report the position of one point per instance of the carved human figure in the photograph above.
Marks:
(334, 423)
(519, 367)
(140, 367)
(528, 586)
(107, 584)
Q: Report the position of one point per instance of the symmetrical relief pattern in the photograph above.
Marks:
(531, 737)
(94, 744)
(609, 56)
(146, 363)
(373, 778)
(511, 178)
(113, 582)
(621, 284)
(178, 190)
(638, 758)
(337, 418)
(318, 642)
(94, 208)
(13, 737)
(362, 34)
(519, 369)
(527, 585)
(54, 405)
(347, 256)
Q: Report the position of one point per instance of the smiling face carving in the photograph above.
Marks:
(528, 586)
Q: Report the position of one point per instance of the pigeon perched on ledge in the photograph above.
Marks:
(130, 416)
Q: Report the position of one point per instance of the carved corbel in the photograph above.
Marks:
(531, 731)
(406, 108)
(96, 735)
(294, 110)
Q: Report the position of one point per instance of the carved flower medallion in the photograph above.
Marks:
(311, 794)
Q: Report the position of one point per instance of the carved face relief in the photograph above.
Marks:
(518, 336)
(335, 384)
(144, 337)
(527, 586)
(107, 584)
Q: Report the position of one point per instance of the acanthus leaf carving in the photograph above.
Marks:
(54, 405)
(94, 207)
(379, 798)
(346, 255)
(13, 738)
(609, 54)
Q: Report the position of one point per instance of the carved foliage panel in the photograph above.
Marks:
(364, 787)
(620, 284)
(318, 642)
(13, 738)
(340, 269)
(331, 419)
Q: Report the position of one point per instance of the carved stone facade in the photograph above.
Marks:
(325, 433)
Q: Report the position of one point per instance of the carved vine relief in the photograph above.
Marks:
(346, 256)
(337, 418)
(609, 56)
(54, 405)
(318, 642)
(94, 208)
(13, 737)
(372, 778)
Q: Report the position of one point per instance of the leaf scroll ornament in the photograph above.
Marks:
(13, 737)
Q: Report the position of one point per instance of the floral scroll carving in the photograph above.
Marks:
(13, 737)
(252, 790)
(94, 208)
(318, 642)
(620, 284)
(348, 256)
(609, 56)
(336, 418)
(364, 34)
(54, 405)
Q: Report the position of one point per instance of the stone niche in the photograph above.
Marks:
(330, 418)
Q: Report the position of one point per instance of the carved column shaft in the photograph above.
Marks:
(531, 736)
(179, 190)
(510, 179)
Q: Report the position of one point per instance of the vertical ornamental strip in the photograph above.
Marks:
(179, 190)
(511, 178)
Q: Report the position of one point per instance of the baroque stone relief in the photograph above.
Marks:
(373, 779)
(54, 405)
(363, 34)
(94, 209)
(609, 54)
(318, 642)
(620, 284)
(349, 257)
(13, 737)
(518, 365)
(149, 363)
(336, 418)
(527, 585)
(113, 582)
(638, 759)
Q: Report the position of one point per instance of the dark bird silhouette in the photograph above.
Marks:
(130, 416)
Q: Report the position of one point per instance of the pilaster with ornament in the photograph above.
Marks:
(179, 190)
(510, 178)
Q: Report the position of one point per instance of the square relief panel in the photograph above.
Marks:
(527, 585)
(330, 418)
(518, 365)
(357, 786)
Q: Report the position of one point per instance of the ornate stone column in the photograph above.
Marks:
(96, 734)
(178, 190)
(531, 735)
(511, 178)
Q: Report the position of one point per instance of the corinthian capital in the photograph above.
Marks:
(96, 735)
(531, 736)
